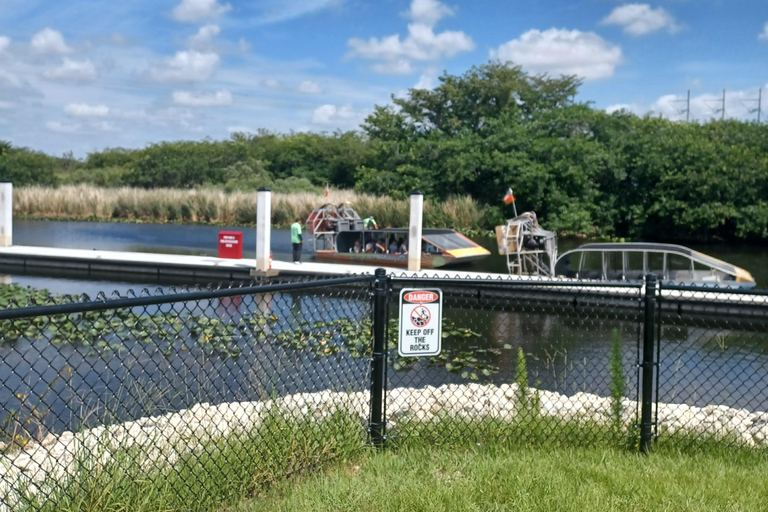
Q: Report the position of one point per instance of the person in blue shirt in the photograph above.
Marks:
(296, 240)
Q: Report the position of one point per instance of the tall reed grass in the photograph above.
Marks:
(214, 206)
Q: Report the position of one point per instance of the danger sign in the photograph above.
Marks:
(420, 322)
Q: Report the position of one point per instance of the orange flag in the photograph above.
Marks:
(509, 198)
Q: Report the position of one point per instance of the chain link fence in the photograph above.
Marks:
(712, 353)
(535, 361)
(212, 394)
(201, 391)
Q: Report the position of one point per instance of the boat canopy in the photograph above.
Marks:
(633, 260)
(339, 229)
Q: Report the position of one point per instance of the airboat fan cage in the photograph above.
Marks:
(530, 250)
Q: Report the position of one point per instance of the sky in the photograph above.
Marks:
(84, 75)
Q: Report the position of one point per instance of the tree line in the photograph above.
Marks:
(495, 126)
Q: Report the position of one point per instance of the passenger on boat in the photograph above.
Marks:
(403, 247)
(393, 246)
(370, 223)
(356, 247)
(369, 248)
(381, 246)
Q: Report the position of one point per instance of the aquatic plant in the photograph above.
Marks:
(618, 384)
(521, 379)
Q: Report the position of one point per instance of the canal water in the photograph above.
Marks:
(566, 350)
(202, 240)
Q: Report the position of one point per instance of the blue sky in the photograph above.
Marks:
(82, 75)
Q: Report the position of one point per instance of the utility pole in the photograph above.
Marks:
(720, 110)
(687, 109)
(759, 101)
(722, 116)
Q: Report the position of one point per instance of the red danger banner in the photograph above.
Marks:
(421, 318)
(421, 297)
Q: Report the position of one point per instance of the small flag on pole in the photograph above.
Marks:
(509, 198)
(327, 190)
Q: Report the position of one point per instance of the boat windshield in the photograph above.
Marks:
(449, 241)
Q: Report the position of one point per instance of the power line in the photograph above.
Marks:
(686, 110)
(753, 110)
(720, 110)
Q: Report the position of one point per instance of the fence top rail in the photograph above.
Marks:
(713, 290)
(552, 283)
(124, 303)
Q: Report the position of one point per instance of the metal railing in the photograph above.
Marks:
(287, 375)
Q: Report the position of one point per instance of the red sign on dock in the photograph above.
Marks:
(231, 244)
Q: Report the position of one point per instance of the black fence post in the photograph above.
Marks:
(649, 332)
(378, 357)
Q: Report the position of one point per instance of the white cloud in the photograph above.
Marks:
(5, 42)
(310, 87)
(421, 44)
(73, 71)
(428, 12)
(394, 67)
(85, 110)
(284, 10)
(271, 83)
(195, 10)
(8, 79)
(203, 40)
(192, 99)
(426, 80)
(118, 39)
(186, 66)
(59, 127)
(641, 19)
(764, 34)
(344, 116)
(49, 41)
(243, 45)
(103, 126)
(559, 51)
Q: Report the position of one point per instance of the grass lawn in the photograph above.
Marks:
(528, 479)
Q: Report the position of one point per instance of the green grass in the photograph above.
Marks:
(217, 473)
(295, 461)
(431, 478)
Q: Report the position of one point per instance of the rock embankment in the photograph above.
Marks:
(162, 439)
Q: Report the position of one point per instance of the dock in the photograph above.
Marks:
(48, 260)
(30, 258)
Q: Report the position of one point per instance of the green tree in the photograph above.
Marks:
(22, 166)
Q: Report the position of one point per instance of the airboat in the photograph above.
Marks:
(531, 250)
(340, 235)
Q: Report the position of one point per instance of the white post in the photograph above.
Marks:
(414, 232)
(263, 228)
(6, 214)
